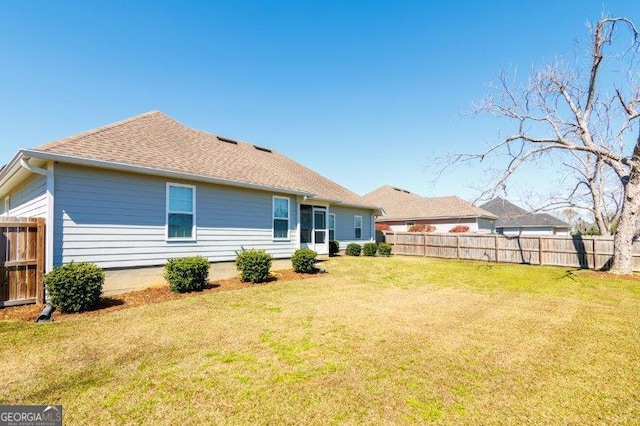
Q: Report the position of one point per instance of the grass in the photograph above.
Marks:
(377, 340)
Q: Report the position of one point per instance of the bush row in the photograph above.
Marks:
(368, 249)
(76, 287)
(422, 227)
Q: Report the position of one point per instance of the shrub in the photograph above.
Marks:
(459, 228)
(369, 249)
(253, 265)
(187, 273)
(304, 260)
(353, 249)
(383, 227)
(334, 248)
(74, 287)
(422, 227)
(592, 231)
(384, 249)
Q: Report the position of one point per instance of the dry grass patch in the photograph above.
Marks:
(397, 340)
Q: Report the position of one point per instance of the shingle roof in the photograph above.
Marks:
(511, 215)
(399, 204)
(155, 140)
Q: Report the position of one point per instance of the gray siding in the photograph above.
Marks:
(487, 225)
(29, 199)
(118, 220)
(345, 230)
(532, 230)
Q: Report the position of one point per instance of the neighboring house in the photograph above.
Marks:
(137, 192)
(402, 209)
(514, 220)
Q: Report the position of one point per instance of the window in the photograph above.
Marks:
(332, 226)
(357, 223)
(280, 218)
(410, 223)
(181, 207)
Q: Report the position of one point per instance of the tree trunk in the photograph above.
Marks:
(623, 240)
(598, 214)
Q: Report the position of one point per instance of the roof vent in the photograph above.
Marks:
(231, 141)
(402, 190)
(260, 148)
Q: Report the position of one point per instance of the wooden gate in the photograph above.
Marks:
(22, 260)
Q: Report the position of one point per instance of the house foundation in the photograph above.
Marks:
(130, 279)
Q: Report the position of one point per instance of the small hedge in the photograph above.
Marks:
(369, 249)
(304, 261)
(254, 265)
(334, 248)
(459, 228)
(384, 249)
(422, 227)
(186, 274)
(74, 287)
(353, 249)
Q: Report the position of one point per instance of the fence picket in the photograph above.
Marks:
(22, 261)
(583, 252)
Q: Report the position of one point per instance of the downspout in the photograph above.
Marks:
(48, 173)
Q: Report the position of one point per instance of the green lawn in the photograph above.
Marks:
(377, 340)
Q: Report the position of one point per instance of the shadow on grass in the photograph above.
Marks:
(570, 273)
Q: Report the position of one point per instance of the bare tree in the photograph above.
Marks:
(585, 121)
(596, 190)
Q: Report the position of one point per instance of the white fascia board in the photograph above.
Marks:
(376, 210)
(10, 169)
(89, 162)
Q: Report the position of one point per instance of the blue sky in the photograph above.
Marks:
(366, 93)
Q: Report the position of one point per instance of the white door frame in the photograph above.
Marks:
(320, 248)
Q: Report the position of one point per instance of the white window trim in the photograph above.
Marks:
(167, 211)
(329, 226)
(273, 218)
(7, 206)
(355, 219)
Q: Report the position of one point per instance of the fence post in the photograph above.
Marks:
(40, 256)
(595, 258)
(457, 246)
(495, 243)
(424, 243)
(540, 251)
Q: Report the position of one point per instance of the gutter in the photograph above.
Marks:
(24, 162)
(82, 161)
(359, 206)
(438, 217)
(10, 169)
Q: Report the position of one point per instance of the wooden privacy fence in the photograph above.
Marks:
(580, 252)
(22, 258)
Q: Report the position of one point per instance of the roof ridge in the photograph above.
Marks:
(97, 130)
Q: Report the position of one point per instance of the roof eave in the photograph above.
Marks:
(441, 217)
(376, 210)
(533, 226)
(90, 162)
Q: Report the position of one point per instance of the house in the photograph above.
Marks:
(514, 220)
(404, 209)
(134, 193)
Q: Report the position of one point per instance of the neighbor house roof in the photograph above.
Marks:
(156, 142)
(511, 215)
(400, 204)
